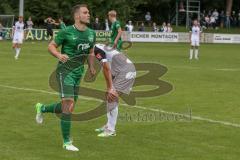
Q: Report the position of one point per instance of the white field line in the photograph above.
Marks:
(213, 69)
(136, 106)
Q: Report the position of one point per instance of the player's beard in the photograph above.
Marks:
(82, 22)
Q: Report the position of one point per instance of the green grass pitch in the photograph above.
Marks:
(209, 87)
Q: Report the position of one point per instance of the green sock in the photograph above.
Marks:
(52, 108)
(66, 126)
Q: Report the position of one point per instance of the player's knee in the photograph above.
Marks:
(67, 105)
(112, 105)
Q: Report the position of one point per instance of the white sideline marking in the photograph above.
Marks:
(139, 107)
(214, 69)
(228, 69)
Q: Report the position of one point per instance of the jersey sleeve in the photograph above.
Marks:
(94, 39)
(100, 54)
(118, 25)
(60, 37)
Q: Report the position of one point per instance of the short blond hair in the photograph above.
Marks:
(112, 13)
(76, 8)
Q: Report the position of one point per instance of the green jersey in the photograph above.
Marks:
(62, 25)
(74, 44)
(114, 29)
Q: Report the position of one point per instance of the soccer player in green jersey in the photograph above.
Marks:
(75, 40)
(61, 24)
(116, 40)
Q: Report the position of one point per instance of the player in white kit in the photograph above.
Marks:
(18, 35)
(195, 34)
(120, 74)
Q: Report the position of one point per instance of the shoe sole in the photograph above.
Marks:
(112, 135)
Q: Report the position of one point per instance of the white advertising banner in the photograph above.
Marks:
(103, 36)
(153, 37)
(226, 38)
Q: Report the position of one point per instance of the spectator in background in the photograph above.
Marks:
(181, 6)
(203, 14)
(96, 25)
(213, 22)
(207, 21)
(154, 27)
(49, 22)
(163, 27)
(215, 14)
(148, 18)
(60, 23)
(129, 26)
(29, 23)
(239, 18)
(234, 19)
(169, 28)
(1, 31)
(142, 27)
(222, 18)
(228, 21)
(209, 13)
(106, 25)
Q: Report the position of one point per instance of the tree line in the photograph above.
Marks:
(133, 10)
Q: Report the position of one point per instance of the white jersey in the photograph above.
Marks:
(129, 27)
(108, 54)
(119, 63)
(18, 32)
(195, 32)
(19, 27)
(122, 69)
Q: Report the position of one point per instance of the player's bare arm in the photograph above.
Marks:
(117, 38)
(52, 48)
(45, 20)
(111, 93)
(53, 21)
(91, 62)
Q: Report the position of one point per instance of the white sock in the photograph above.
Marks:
(17, 52)
(196, 53)
(112, 115)
(191, 54)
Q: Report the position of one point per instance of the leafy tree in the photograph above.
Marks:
(161, 10)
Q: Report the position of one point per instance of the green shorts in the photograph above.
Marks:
(119, 44)
(68, 85)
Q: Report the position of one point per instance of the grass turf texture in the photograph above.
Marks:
(210, 87)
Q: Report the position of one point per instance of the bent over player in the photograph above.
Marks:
(119, 72)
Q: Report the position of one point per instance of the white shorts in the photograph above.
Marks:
(195, 42)
(18, 38)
